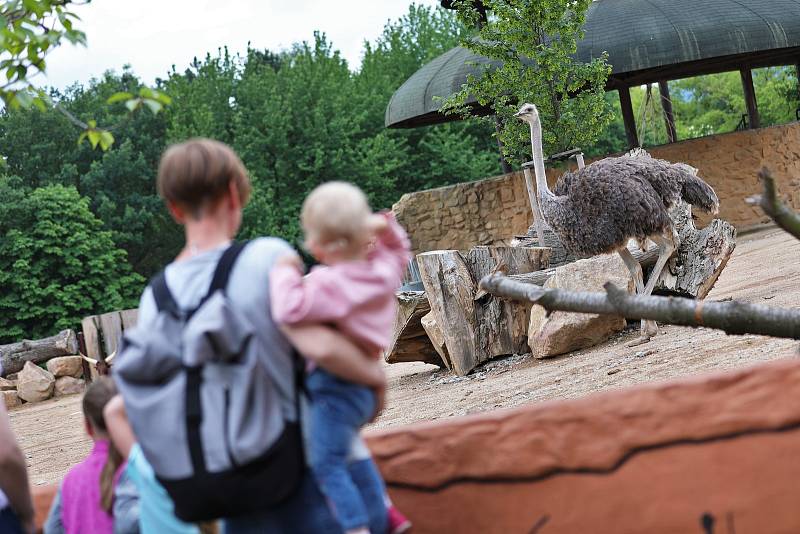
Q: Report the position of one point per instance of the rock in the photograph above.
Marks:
(7, 385)
(13, 377)
(66, 366)
(67, 385)
(35, 384)
(564, 332)
(11, 399)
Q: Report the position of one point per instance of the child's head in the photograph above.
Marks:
(95, 399)
(337, 222)
(194, 178)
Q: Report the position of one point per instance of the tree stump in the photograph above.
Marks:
(410, 342)
(503, 325)
(436, 337)
(14, 356)
(475, 331)
(450, 289)
(701, 256)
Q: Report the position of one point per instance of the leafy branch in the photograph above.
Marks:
(29, 31)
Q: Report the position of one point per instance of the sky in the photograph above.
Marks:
(153, 35)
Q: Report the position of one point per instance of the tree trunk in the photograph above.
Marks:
(503, 325)
(475, 328)
(14, 356)
(645, 259)
(410, 342)
(701, 255)
(436, 337)
(450, 289)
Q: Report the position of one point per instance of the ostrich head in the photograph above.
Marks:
(528, 113)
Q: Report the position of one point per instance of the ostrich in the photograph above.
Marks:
(597, 209)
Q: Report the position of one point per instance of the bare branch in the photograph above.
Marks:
(772, 206)
(731, 317)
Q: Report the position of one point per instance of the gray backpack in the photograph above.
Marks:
(204, 406)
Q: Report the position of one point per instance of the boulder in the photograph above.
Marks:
(67, 385)
(66, 366)
(7, 385)
(35, 384)
(11, 399)
(564, 332)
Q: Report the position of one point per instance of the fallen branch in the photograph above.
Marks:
(783, 216)
(731, 317)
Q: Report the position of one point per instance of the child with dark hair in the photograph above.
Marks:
(85, 500)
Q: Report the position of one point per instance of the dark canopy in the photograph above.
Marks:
(646, 40)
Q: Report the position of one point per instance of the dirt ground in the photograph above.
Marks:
(764, 269)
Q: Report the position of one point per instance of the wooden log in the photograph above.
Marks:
(645, 259)
(14, 355)
(503, 325)
(701, 256)
(558, 256)
(436, 337)
(410, 342)
(451, 290)
(734, 317)
(466, 328)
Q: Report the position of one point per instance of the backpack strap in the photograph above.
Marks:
(165, 302)
(224, 267)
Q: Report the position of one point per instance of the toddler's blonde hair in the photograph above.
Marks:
(336, 215)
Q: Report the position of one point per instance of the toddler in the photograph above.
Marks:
(364, 257)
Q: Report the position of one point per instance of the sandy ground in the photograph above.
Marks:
(764, 269)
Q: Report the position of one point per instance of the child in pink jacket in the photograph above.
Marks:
(365, 256)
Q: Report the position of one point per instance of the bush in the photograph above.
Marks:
(57, 263)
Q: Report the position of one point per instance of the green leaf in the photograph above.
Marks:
(106, 140)
(94, 137)
(119, 97)
(133, 104)
(154, 106)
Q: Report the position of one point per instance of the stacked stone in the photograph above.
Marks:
(63, 376)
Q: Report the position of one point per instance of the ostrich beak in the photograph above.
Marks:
(518, 114)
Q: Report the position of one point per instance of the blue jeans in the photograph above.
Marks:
(306, 512)
(338, 411)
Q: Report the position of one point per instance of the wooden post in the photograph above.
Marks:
(669, 117)
(750, 98)
(628, 117)
(538, 220)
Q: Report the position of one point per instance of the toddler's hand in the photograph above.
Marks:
(290, 260)
(377, 223)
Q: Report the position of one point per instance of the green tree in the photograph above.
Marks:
(533, 43)
(57, 264)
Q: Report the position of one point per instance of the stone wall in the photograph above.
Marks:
(657, 458)
(492, 211)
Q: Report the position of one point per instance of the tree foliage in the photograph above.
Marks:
(533, 44)
(298, 117)
(57, 264)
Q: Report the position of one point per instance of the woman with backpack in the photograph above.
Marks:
(209, 381)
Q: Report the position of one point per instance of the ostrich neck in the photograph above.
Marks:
(543, 192)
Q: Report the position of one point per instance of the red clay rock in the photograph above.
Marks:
(650, 459)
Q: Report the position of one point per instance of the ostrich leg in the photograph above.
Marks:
(636, 271)
(666, 246)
